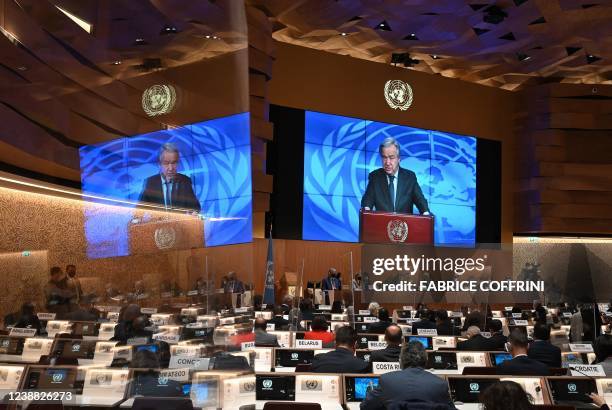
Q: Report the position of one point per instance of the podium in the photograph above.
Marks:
(390, 227)
(166, 234)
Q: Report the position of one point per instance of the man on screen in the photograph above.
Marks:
(391, 188)
(169, 188)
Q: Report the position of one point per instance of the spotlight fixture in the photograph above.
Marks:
(522, 56)
(592, 58)
(435, 56)
(140, 41)
(411, 36)
(494, 15)
(343, 34)
(22, 68)
(383, 25)
(168, 29)
(116, 62)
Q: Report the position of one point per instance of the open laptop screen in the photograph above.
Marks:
(274, 387)
(469, 390)
(293, 357)
(358, 387)
(572, 390)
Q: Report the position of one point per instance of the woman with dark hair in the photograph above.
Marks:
(505, 396)
(319, 331)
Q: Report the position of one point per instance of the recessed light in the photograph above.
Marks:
(140, 41)
(435, 57)
(343, 34)
(116, 62)
(168, 29)
(22, 68)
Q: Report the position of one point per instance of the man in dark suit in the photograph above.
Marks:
(497, 341)
(475, 343)
(444, 325)
(427, 321)
(521, 364)
(383, 322)
(233, 285)
(391, 353)
(330, 283)
(411, 387)
(391, 188)
(263, 338)
(278, 321)
(342, 359)
(169, 188)
(541, 349)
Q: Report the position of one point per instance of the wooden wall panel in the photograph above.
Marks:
(564, 178)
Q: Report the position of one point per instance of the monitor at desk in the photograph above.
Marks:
(468, 390)
(362, 340)
(357, 387)
(51, 378)
(293, 357)
(85, 329)
(11, 345)
(424, 340)
(572, 390)
(440, 360)
(363, 354)
(272, 387)
(499, 358)
(75, 349)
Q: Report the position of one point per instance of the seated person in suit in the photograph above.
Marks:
(373, 308)
(262, 337)
(383, 322)
(150, 384)
(521, 364)
(409, 388)
(131, 324)
(222, 360)
(391, 353)
(444, 325)
(392, 188)
(475, 343)
(169, 188)
(25, 318)
(342, 359)
(233, 285)
(541, 349)
(603, 353)
(318, 331)
(427, 321)
(278, 321)
(497, 341)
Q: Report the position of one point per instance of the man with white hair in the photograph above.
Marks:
(392, 188)
(476, 342)
(169, 188)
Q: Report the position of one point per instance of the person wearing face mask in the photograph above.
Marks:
(170, 188)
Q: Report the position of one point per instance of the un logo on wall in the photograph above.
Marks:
(165, 238)
(158, 99)
(398, 94)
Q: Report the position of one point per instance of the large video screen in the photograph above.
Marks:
(202, 168)
(339, 154)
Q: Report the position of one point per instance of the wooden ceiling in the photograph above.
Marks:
(508, 44)
(62, 87)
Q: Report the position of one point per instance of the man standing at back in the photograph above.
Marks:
(411, 387)
(392, 188)
(342, 359)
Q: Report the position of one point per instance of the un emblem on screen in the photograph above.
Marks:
(572, 387)
(312, 384)
(474, 386)
(267, 383)
(57, 377)
(398, 94)
(397, 230)
(165, 238)
(158, 99)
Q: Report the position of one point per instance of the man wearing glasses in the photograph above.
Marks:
(391, 188)
(169, 188)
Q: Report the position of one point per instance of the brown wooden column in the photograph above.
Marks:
(261, 57)
(564, 160)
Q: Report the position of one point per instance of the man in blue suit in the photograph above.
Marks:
(330, 283)
(411, 387)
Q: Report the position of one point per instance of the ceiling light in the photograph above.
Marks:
(383, 25)
(116, 62)
(88, 27)
(435, 56)
(168, 29)
(140, 41)
(343, 34)
(523, 56)
(592, 58)
(22, 68)
(494, 15)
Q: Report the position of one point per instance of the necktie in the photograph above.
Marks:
(168, 194)
(392, 191)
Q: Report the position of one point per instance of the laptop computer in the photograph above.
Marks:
(274, 388)
(499, 358)
(572, 391)
(356, 389)
(440, 360)
(467, 390)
